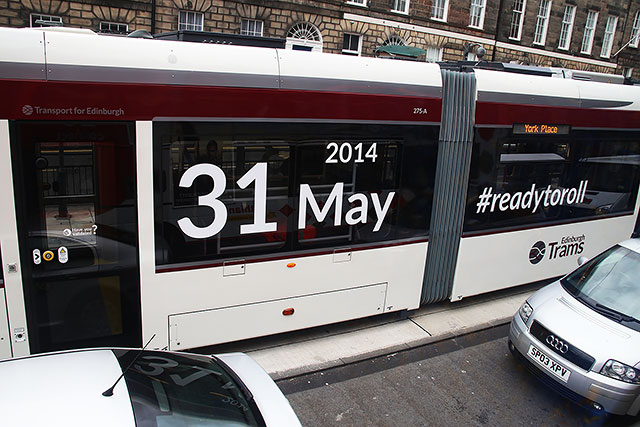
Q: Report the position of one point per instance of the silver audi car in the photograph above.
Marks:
(581, 334)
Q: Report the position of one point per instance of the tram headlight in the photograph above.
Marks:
(620, 371)
(525, 312)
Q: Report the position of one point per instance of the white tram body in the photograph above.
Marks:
(479, 270)
(336, 187)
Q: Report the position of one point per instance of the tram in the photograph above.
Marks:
(212, 193)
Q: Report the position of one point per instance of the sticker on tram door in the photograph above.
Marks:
(549, 364)
(47, 255)
(63, 255)
(37, 259)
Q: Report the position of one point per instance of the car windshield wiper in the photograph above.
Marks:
(623, 317)
(602, 309)
(609, 312)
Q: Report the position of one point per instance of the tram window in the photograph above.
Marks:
(355, 183)
(363, 180)
(67, 175)
(517, 180)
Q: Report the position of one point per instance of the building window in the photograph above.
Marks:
(192, 21)
(358, 2)
(113, 28)
(635, 31)
(433, 54)
(609, 35)
(627, 72)
(304, 36)
(440, 10)
(476, 14)
(567, 27)
(38, 20)
(517, 18)
(251, 27)
(351, 44)
(394, 40)
(542, 21)
(589, 32)
(400, 6)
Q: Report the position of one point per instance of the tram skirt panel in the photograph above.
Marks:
(452, 178)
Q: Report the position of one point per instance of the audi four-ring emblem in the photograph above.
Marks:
(557, 344)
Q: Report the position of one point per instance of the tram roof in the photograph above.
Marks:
(82, 55)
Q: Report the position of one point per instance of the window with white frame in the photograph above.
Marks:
(517, 19)
(357, 2)
(440, 10)
(567, 27)
(542, 22)
(476, 13)
(589, 32)
(635, 31)
(193, 21)
(627, 72)
(351, 44)
(39, 20)
(304, 36)
(433, 54)
(400, 6)
(251, 27)
(114, 28)
(609, 35)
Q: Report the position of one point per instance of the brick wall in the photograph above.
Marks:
(78, 14)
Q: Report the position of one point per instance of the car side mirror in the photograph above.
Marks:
(582, 260)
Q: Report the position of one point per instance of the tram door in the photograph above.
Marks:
(75, 187)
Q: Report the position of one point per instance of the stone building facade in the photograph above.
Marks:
(577, 34)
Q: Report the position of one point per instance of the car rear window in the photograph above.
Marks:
(169, 389)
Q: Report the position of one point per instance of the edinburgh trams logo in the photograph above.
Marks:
(566, 246)
(537, 252)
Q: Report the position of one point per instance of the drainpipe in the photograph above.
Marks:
(626, 24)
(153, 17)
(495, 41)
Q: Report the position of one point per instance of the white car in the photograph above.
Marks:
(133, 387)
(581, 334)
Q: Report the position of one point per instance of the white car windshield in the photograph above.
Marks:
(609, 284)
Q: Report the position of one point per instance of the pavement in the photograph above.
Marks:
(302, 352)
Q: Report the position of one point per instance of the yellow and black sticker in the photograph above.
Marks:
(47, 256)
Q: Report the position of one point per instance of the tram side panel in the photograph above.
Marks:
(263, 228)
(547, 185)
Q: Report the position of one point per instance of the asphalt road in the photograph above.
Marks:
(467, 381)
